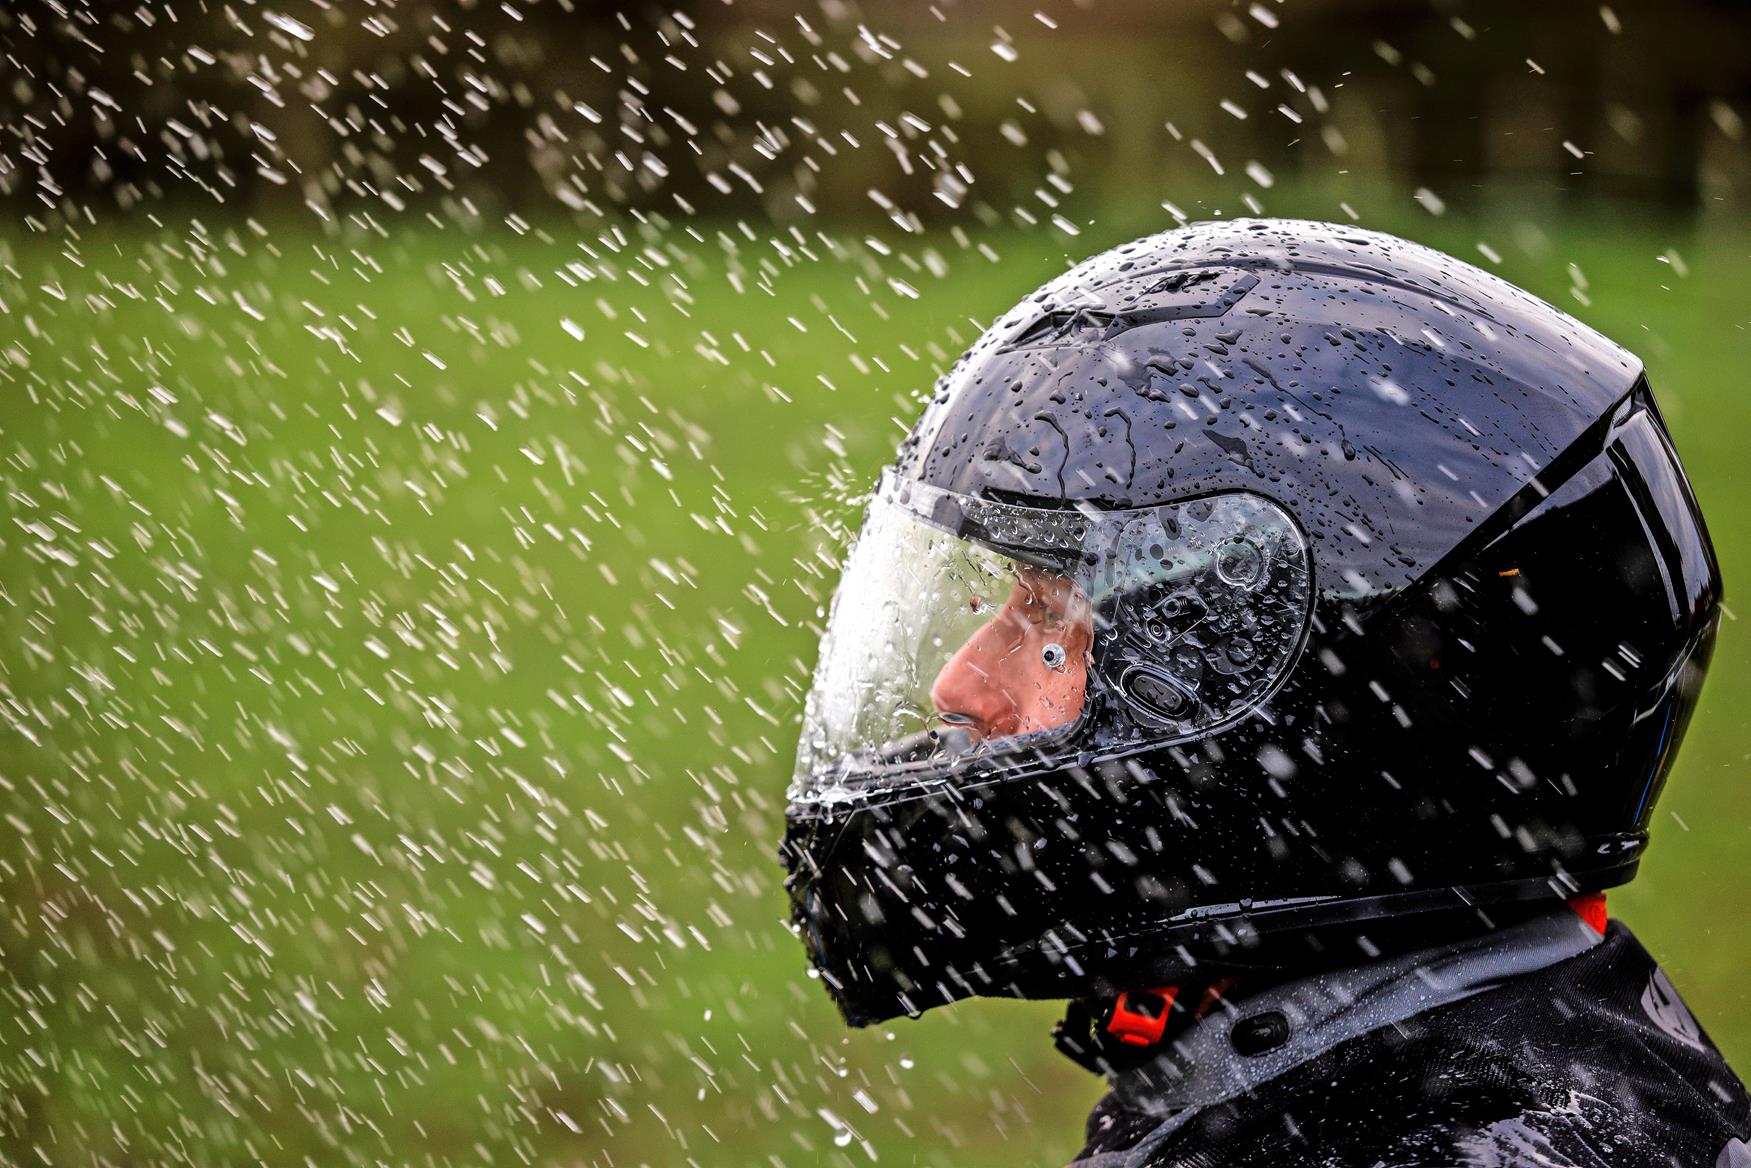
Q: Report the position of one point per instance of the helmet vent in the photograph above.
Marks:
(1078, 315)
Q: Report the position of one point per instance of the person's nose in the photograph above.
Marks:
(971, 684)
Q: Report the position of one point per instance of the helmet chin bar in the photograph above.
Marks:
(1440, 670)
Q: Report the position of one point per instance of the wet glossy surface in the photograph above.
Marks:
(1514, 605)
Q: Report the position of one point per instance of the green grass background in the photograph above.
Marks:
(404, 638)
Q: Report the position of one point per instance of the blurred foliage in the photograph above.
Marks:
(962, 111)
(429, 434)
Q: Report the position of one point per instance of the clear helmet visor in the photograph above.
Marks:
(971, 636)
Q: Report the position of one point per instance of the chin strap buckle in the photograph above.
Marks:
(1107, 1037)
(1139, 1017)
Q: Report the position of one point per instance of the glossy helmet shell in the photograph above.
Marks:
(1514, 602)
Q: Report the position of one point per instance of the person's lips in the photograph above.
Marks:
(965, 723)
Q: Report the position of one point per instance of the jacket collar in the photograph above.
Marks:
(1236, 1048)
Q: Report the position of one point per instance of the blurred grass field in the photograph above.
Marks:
(404, 642)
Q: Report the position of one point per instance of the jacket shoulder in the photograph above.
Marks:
(1594, 1062)
(1611, 1070)
(1591, 1135)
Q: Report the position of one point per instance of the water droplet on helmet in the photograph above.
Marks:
(1240, 563)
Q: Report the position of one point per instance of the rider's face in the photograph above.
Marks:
(1026, 669)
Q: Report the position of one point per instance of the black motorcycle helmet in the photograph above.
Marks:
(1249, 582)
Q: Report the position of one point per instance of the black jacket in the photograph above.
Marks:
(1544, 1045)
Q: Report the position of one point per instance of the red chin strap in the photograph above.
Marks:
(1590, 907)
(1139, 1017)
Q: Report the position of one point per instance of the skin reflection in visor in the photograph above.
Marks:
(1026, 669)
